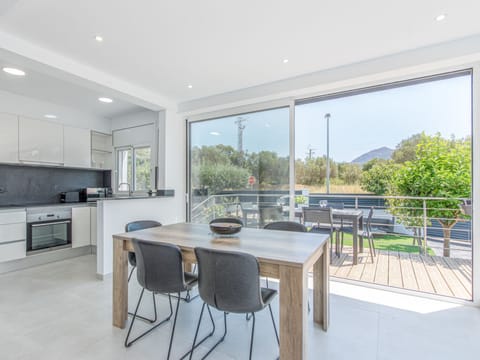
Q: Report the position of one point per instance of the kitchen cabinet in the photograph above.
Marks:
(102, 150)
(76, 147)
(8, 138)
(80, 226)
(13, 225)
(40, 141)
(93, 226)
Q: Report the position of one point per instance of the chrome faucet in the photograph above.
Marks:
(129, 187)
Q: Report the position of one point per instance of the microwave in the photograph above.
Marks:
(94, 194)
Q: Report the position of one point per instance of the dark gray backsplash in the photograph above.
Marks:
(20, 184)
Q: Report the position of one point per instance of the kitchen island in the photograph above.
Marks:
(114, 213)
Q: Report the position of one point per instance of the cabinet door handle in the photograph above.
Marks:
(52, 223)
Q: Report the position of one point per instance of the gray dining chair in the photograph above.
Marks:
(322, 220)
(134, 226)
(286, 226)
(230, 282)
(160, 270)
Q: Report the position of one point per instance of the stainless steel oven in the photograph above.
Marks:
(48, 228)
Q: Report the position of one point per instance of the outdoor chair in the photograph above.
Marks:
(322, 222)
(368, 232)
(230, 282)
(269, 213)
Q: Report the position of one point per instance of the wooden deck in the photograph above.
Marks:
(430, 274)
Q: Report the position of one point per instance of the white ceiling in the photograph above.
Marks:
(222, 45)
(44, 86)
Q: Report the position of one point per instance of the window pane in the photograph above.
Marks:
(124, 168)
(142, 168)
(240, 167)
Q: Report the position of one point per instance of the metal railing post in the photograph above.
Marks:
(424, 227)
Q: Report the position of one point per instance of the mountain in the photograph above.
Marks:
(380, 153)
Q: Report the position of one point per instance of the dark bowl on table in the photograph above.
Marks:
(225, 228)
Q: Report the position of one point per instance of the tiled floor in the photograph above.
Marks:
(60, 311)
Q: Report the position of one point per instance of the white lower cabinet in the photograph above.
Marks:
(80, 226)
(93, 226)
(13, 229)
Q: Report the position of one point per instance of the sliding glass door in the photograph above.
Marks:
(398, 155)
(239, 166)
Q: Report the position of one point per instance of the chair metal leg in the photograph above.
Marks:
(273, 322)
(251, 338)
(196, 332)
(216, 344)
(187, 297)
(371, 246)
(248, 316)
(127, 343)
(131, 272)
(173, 328)
(151, 321)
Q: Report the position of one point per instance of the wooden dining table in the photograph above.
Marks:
(287, 256)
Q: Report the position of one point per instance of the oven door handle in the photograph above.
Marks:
(52, 223)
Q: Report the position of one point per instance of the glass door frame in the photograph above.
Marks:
(356, 84)
(284, 103)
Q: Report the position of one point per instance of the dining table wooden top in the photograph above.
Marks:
(279, 247)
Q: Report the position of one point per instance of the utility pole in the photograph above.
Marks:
(310, 152)
(327, 116)
(240, 127)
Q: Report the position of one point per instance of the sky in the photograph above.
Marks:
(358, 123)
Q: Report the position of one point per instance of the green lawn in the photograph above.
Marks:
(390, 242)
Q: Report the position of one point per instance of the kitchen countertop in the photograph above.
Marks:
(163, 193)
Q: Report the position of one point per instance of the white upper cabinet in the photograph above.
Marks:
(76, 147)
(40, 141)
(8, 138)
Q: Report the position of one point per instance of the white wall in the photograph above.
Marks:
(171, 151)
(30, 107)
(175, 160)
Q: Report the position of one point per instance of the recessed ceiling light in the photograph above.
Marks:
(99, 38)
(14, 71)
(190, 86)
(105, 100)
(214, 133)
(50, 116)
(285, 61)
(441, 17)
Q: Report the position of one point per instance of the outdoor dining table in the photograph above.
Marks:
(354, 216)
(287, 256)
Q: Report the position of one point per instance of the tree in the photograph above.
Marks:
(314, 171)
(349, 173)
(222, 177)
(406, 149)
(378, 177)
(440, 168)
